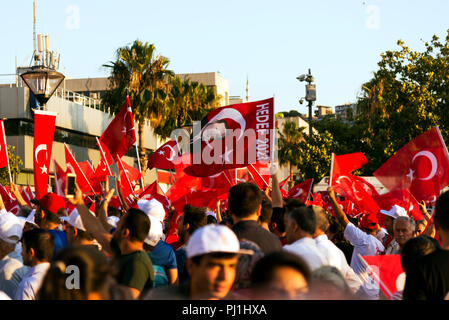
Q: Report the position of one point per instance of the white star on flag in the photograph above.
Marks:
(44, 169)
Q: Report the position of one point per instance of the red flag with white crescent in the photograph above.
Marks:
(73, 167)
(387, 271)
(44, 128)
(301, 191)
(4, 161)
(120, 135)
(233, 137)
(164, 156)
(103, 168)
(421, 166)
(60, 179)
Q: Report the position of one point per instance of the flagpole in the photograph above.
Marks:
(310, 190)
(88, 182)
(129, 182)
(266, 184)
(375, 276)
(332, 169)
(140, 168)
(6, 146)
(104, 156)
(227, 179)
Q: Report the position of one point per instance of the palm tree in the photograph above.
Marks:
(138, 69)
(289, 140)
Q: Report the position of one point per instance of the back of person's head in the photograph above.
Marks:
(304, 218)
(41, 241)
(328, 283)
(266, 273)
(246, 264)
(441, 216)
(138, 224)
(93, 275)
(211, 219)
(292, 204)
(277, 220)
(113, 211)
(244, 199)
(195, 217)
(322, 221)
(266, 212)
(415, 248)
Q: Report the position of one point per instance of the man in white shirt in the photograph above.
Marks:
(300, 227)
(387, 236)
(12, 269)
(364, 241)
(333, 255)
(37, 249)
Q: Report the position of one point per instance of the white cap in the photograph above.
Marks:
(155, 233)
(395, 212)
(153, 208)
(213, 238)
(10, 228)
(211, 213)
(113, 220)
(74, 219)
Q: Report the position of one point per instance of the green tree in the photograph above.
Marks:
(407, 96)
(138, 69)
(289, 139)
(14, 163)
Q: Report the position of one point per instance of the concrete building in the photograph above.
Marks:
(346, 111)
(77, 125)
(322, 111)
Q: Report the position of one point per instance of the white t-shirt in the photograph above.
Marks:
(336, 258)
(12, 272)
(31, 283)
(306, 248)
(364, 245)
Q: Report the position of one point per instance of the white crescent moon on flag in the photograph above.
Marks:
(354, 191)
(433, 161)
(172, 152)
(297, 193)
(39, 149)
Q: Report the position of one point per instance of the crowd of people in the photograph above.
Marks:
(261, 247)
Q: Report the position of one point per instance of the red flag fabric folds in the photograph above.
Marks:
(233, 137)
(164, 156)
(4, 161)
(120, 135)
(301, 191)
(422, 166)
(44, 129)
(73, 167)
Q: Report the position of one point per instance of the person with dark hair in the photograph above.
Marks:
(51, 208)
(428, 277)
(211, 218)
(75, 230)
(192, 219)
(328, 283)
(301, 225)
(280, 275)
(365, 243)
(415, 248)
(212, 253)
(265, 214)
(94, 280)
(37, 249)
(133, 267)
(245, 205)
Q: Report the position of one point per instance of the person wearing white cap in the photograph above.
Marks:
(386, 236)
(212, 254)
(12, 269)
(75, 230)
(153, 208)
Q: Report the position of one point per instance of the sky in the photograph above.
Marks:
(270, 42)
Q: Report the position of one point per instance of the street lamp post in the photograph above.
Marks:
(310, 95)
(43, 82)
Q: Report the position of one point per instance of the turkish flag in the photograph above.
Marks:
(127, 194)
(25, 195)
(103, 168)
(60, 179)
(369, 188)
(260, 172)
(29, 192)
(422, 166)
(402, 198)
(301, 191)
(132, 173)
(89, 172)
(4, 161)
(10, 202)
(387, 271)
(73, 167)
(120, 135)
(164, 156)
(283, 182)
(44, 128)
(233, 137)
(348, 185)
(151, 192)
